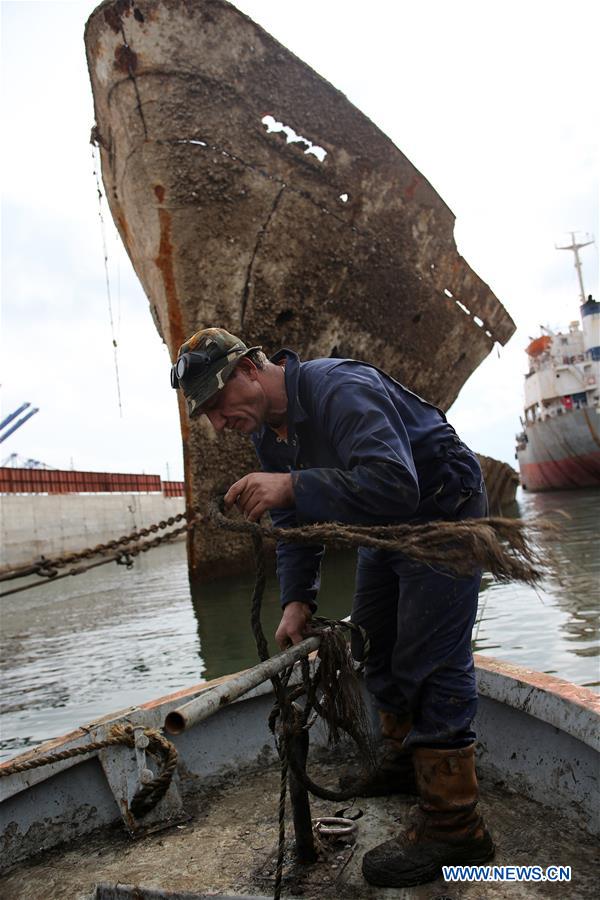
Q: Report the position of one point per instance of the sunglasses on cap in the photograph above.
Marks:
(194, 363)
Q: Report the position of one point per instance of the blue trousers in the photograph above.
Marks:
(419, 621)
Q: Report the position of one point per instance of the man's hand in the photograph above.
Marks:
(293, 627)
(256, 493)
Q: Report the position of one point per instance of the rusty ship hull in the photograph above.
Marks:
(252, 194)
(561, 453)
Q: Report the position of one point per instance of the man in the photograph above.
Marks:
(340, 440)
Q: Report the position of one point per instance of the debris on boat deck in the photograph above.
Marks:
(229, 847)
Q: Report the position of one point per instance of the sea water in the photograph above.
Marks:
(74, 650)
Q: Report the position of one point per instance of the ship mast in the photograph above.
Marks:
(575, 247)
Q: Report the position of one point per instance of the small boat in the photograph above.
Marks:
(214, 832)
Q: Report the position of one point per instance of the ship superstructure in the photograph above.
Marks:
(559, 446)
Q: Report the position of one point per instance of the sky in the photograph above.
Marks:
(494, 102)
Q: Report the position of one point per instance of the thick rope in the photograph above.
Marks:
(148, 795)
(337, 713)
(38, 761)
(507, 548)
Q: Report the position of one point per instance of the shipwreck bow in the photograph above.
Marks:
(252, 194)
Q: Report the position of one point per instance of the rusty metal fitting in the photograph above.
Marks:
(335, 828)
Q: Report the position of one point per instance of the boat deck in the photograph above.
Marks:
(229, 846)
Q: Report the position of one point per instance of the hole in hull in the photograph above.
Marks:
(284, 316)
(292, 137)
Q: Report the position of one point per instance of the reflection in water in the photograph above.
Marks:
(555, 627)
(223, 612)
(75, 650)
(83, 647)
(577, 589)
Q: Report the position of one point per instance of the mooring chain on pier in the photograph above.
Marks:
(148, 795)
(49, 566)
(122, 551)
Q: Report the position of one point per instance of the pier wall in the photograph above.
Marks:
(52, 524)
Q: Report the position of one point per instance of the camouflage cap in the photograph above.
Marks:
(226, 349)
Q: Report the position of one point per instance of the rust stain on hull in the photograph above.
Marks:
(114, 13)
(164, 262)
(125, 59)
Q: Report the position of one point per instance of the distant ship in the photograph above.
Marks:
(559, 447)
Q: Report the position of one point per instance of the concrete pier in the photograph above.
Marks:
(52, 524)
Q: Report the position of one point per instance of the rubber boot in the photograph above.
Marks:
(447, 828)
(394, 772)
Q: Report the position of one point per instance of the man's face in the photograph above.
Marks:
(241, 405)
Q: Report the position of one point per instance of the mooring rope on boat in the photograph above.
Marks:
(509, 549)
(341, 705)
(148, 795)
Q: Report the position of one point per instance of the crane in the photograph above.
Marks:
(18, 423)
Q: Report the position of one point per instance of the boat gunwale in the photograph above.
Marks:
(573, 709)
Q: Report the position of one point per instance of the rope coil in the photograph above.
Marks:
(148, 795)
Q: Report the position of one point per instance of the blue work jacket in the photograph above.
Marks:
(362, 449)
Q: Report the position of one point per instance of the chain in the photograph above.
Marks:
(123, 557)
(48, 567)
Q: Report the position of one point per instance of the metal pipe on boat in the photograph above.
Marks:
(210, 701)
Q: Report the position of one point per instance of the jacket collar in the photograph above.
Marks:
(295, 411)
